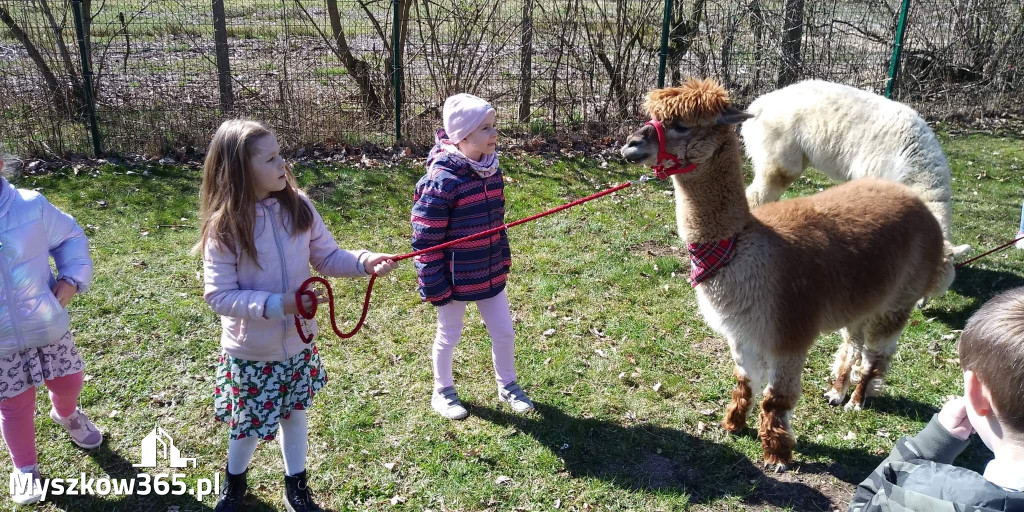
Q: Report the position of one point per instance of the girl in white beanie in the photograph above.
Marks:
(462, 194)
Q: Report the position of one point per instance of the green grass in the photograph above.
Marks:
(604, 276)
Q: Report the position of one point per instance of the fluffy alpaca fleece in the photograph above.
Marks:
(846, 133)
(857, 257)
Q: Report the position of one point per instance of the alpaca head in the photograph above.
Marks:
(696, 116)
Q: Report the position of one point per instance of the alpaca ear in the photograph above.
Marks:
(732, 116)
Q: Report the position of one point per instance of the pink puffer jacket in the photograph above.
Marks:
(238, 289)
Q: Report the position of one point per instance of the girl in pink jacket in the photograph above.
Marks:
(36, 346)
(259, 236)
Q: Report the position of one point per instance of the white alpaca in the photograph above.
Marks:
(845, 133)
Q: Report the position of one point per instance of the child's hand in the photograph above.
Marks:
(291, 308)
(380, 264)
(64, 291)
(953, 417)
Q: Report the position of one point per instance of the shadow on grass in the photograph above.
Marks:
(981, 284)
(116, 466)
(901, 406)
(666, 460)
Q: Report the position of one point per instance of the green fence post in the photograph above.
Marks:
(396, 58)
(83, 50)
(897, 49)
(663, 54)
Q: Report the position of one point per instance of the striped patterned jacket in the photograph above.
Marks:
(452, 201)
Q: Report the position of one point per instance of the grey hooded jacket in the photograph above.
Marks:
(918, 476)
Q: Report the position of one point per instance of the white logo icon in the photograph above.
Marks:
(167, 451)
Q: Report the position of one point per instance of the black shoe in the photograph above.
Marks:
(233, 492)
(296, 494)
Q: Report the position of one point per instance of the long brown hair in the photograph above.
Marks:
(228, 196)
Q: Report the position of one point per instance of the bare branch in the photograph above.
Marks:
(56, 90)
(376, 24)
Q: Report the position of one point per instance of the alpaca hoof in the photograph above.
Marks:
(961, 250)
(835, 398)
(854, 406)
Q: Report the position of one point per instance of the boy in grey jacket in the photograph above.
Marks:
(919, 475)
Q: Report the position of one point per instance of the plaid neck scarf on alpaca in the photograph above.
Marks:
(707, 258)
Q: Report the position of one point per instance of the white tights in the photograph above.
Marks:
(294, 435)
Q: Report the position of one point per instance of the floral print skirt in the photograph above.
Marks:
(28, 368)
(253, 396)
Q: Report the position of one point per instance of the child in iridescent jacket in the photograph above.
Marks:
(36, 347)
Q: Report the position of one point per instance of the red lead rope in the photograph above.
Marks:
(304, 290)
(661, 172)
(997, 249)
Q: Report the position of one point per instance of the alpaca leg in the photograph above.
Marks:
(750, 375)
(780, 396)
(881, 337)
(739, 407)
(770, 182)
(847, 356)
(939, 203)
(942, 209)
(777, 160)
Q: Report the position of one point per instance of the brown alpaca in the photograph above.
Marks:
(857, 256)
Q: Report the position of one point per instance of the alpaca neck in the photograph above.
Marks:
(711, 204)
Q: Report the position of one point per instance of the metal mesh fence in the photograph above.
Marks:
(166, 72)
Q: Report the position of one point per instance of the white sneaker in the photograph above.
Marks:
(83, 432)
(515, 397)
(1020, 243)
(446, 403)
(28, 494)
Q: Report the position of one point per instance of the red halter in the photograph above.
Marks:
(661, 170)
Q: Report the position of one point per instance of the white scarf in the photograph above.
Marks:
(484, 168)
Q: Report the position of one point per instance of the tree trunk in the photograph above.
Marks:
(792, 33)
(357, 68)
(991, 67)
(220, 36)
(526, 62)
(681, 35)
(390, 66)
(62, 47)
(61, 95)
(757, 30)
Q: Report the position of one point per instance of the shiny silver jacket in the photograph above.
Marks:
(31, 231)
